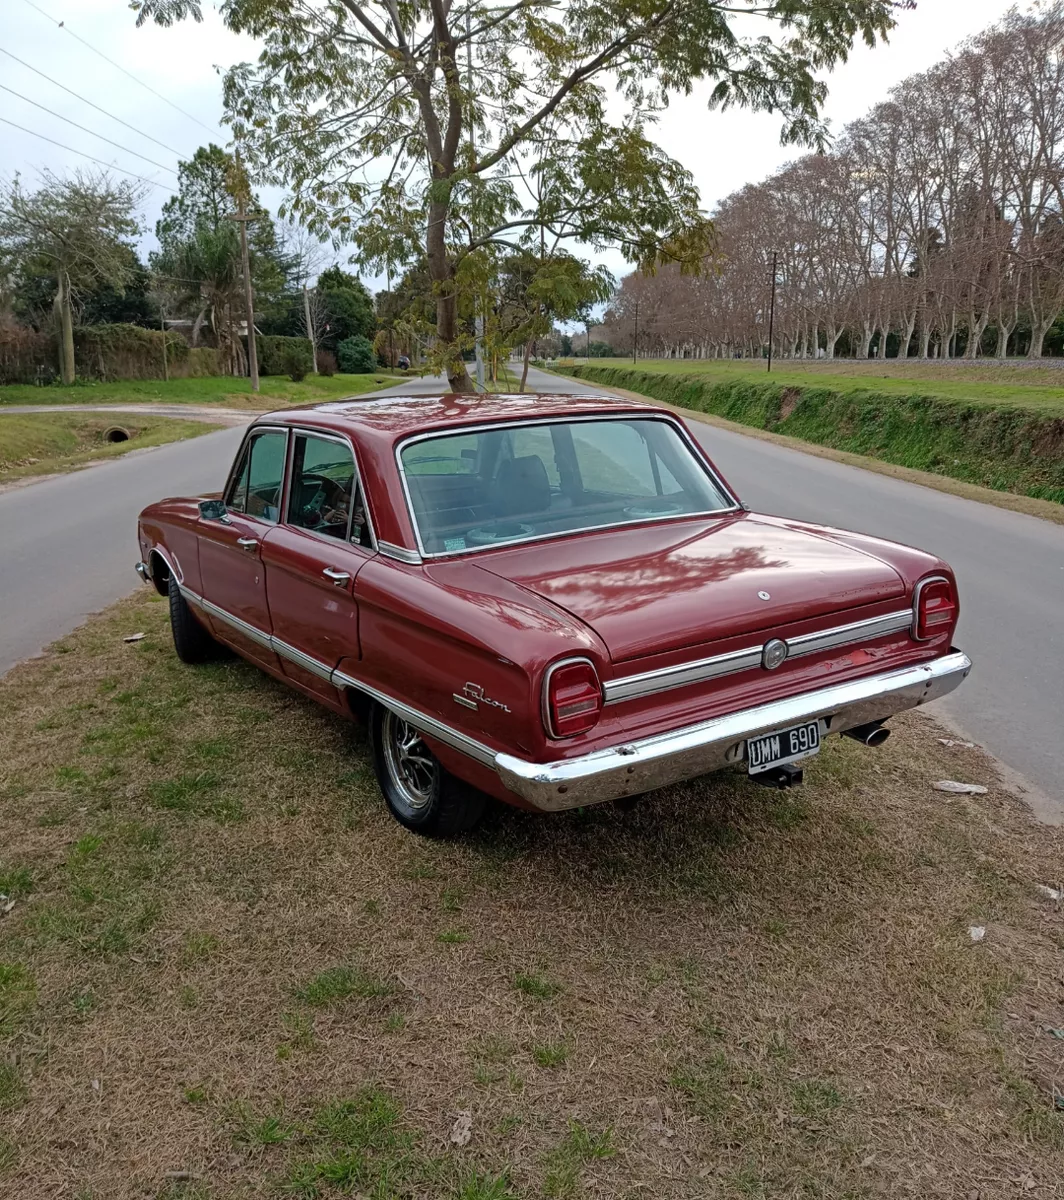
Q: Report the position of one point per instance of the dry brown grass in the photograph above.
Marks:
(225, 960)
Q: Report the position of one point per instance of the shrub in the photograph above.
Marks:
(273, 350)
(356, 357)
(297, 362)
(326, 363)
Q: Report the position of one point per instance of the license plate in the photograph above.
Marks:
(783, 746)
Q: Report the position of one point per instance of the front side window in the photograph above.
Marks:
(491, 486)
(325, 496)
(256, 487)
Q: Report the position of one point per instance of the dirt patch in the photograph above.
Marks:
(789, 398)
(228, 973)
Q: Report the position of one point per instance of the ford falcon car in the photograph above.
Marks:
(550, 600)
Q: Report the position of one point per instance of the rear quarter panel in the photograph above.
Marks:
(428, 631)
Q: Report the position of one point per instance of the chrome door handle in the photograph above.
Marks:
(247, 543)
(339, 578)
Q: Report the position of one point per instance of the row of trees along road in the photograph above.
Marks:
(68, 255)
(473, 134)
(935, 228)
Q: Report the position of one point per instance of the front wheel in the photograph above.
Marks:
(191, 640)
(419, 792)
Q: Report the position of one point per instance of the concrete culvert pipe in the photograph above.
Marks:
(116, 434)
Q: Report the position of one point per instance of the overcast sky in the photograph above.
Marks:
(182, 64)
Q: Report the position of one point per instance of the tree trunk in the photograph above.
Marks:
(1004, 332)
(925, 340)
(66, 329)
(524, 369)
(1038, 337)
(197, 325)
(441, 271)
(906, 337)
(866, 340)
(311, 331)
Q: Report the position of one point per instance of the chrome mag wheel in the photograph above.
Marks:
(412, 769)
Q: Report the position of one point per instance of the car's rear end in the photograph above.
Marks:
(720, 636)
(712, 665)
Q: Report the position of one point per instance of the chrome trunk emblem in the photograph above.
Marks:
(774, 654)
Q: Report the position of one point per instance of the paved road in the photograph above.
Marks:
(1010, 569)
(68, 545)
(67, 549)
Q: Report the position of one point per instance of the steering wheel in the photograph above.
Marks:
(329, 493)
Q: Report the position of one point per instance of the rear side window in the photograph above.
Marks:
(325, 497)
(256, 488)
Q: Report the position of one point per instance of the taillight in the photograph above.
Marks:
(574, 698)
(934, 608)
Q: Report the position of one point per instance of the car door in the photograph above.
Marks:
(312, 558)
(230, 549)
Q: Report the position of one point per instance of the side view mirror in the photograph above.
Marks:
(214, 510)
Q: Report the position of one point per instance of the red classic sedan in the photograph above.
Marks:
(551, 600)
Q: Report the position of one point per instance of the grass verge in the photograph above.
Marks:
(45, 443)
(228, 973)
(222, 391)
(1006, 443)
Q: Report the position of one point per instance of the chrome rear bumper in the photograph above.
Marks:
(654, 762)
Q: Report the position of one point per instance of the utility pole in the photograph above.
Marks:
(635, 339)
(772, 312)
(312, 333)
(478, 319)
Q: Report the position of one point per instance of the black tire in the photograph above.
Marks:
(191, 640)
(419, 792)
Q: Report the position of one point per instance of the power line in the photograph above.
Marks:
(109, 166)
(70, 91)
(117, 145)
(118, 67)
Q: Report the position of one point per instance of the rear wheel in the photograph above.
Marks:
(419, 792)
(191, 640)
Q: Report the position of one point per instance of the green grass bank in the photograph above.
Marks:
(276, 391)
(1000, 444)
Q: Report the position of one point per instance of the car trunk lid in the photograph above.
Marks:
(650, 589)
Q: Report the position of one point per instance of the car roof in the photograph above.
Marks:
(388, 419)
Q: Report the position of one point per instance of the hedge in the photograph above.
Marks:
(102, 352)
(1008, 449)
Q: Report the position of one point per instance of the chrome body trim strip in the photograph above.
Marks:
(844, 635)
(625, 415)
(636, 767)
(301, 660)
(630, 687)
(421, 721)
(399, 553)
(252, 632)
(649, 683)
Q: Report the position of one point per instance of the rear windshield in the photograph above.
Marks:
(490, 486)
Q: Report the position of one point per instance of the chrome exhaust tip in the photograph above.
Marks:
(873, 734)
